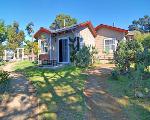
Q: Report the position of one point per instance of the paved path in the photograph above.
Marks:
(21, 103)
(101, 105)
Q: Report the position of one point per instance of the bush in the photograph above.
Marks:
(4, 81)
(125, 55)
(4, 76)
(85, 56)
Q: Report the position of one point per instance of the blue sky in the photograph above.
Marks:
(43, 12)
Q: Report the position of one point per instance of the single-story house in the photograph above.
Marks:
(54, 44)
(107, 39)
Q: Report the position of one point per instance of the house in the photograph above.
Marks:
(54, 44)
(107, 39)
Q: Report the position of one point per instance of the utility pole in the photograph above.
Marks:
(113, 24)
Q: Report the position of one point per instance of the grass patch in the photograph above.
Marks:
(122, 90)
(21, 65)
(60, 91)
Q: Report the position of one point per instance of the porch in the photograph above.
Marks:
(55, 53)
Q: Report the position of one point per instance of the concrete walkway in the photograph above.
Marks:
(21, 102)
(101, 104)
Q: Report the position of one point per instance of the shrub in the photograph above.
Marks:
(146, 41)
(4, 76)
(85, 56)
(126, 53)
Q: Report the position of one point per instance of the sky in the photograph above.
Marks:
(43, 12)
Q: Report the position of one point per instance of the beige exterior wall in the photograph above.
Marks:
(88, 38)
(55, 41)
(85, 33)
(102, 34)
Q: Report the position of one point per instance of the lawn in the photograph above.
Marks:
(122, 90)
(60, 91)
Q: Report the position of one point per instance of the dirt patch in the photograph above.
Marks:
(100, 104)
(21, 103)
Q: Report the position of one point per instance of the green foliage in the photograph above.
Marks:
(142, 24)
(125, 55)
(4, 76)
(31, 46)
(15, 36)
(3, 33)
(143, 58)
(85, 56)
(146, 42)
(29, 28)
(59, 21)
(73, 50)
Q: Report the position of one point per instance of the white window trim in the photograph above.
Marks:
(115, 40)
(68, 49)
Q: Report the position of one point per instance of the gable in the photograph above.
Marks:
(101, 26)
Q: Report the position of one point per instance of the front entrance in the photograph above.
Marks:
(63, 53)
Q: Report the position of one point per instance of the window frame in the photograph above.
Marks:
(114, 42)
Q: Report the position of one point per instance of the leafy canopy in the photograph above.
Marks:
(31, 46)
(60, 19)
(142, 24)
(3, 33)
(15, 36)
(29, 28)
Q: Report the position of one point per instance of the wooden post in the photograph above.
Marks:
(17, 53)
(22, 53)
(5, 55)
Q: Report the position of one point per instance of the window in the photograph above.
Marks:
(110, 44)
(44, 47)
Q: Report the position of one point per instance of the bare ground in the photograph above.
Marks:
(19, 102)
(101, 105)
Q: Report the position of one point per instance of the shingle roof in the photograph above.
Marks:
(111, 27)
(76, 26)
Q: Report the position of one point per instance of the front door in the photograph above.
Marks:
(64, 50)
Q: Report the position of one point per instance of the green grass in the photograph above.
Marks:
(21, 65)
(122, 90)
(60, 91)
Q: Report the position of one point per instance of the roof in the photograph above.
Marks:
(41, 30)
(90, 26)
(76, 26)
(111, 27)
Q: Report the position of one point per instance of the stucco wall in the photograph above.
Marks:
(85, 33)
(55, 43)
(88, 38)
(102, 34)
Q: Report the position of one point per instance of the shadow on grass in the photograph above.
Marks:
(109, 98)
(60, 92)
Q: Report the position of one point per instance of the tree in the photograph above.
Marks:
(142, 24)
(31, 45)
(3, 33)
(29, 28)
(15, 36)
(146, 42)
(63, 20)
(3, 36)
